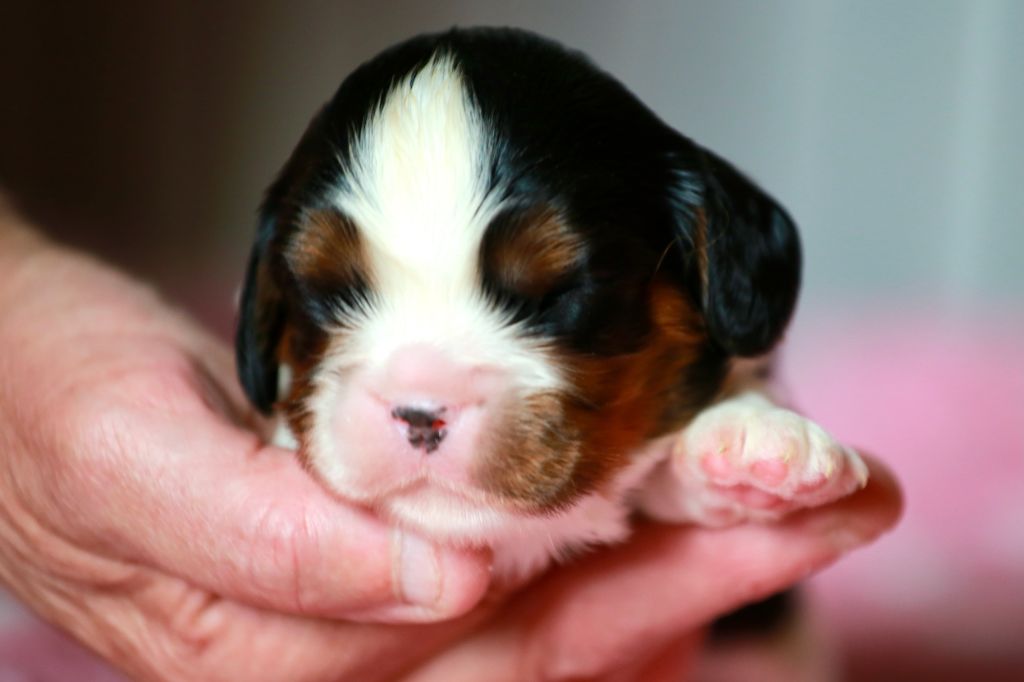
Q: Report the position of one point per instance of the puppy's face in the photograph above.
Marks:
(488, 274)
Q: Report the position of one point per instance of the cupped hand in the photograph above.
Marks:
(636, 612)
(140, 512)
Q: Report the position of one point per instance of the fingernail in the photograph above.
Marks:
(420, 572)
(859, 467)
(416, 570)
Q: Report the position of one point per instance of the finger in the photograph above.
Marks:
(594, 617)
(674, 580)
(182, 489)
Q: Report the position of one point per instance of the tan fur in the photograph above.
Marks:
(561, 446)
(327, 250)
(533, 252)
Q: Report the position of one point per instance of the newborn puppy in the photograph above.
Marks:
(497, 300)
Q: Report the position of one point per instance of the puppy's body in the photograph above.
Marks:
(491, 289)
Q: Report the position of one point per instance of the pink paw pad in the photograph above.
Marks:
(751, 497)
(717, 465)
(772, 472)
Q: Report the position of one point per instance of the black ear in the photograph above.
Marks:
(261, 318)
(745, 258)
(262, 311)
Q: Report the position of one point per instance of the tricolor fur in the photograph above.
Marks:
(485, 239)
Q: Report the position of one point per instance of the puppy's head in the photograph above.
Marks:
(488, 273)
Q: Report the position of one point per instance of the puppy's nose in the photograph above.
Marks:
(424, 427)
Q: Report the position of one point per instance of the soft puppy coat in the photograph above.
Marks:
(497, 300)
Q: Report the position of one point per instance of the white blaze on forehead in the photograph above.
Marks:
(418, 170)
(417, 188)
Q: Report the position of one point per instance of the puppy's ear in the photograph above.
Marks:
(262, 310)
(743, 255)
(261, 318)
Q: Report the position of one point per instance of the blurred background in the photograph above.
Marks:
(146, 132)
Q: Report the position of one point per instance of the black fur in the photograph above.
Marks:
(260, 323)
(753, 258)
(569, 136)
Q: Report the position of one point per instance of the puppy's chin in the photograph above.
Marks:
(444, 510)
(442, 513)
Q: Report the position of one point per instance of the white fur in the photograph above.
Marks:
(416, 187)
(745, 432)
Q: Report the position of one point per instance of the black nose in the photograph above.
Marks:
(426, 428)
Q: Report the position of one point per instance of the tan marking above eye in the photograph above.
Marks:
(530, 251)
(327, 248)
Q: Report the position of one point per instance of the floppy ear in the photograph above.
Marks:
(745, 255)
(260, 322)
(262, 312)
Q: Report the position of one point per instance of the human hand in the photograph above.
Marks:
(636, 612)
(139, 512)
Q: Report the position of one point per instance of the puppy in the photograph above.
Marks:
(497, 300)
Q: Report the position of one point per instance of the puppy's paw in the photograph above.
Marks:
(746, 458)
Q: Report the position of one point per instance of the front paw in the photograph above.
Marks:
(753, 460)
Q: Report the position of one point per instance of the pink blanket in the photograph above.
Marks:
(942, 597)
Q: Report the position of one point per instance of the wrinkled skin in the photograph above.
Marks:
(140, 512)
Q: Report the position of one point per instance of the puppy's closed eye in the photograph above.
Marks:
(530, 253)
